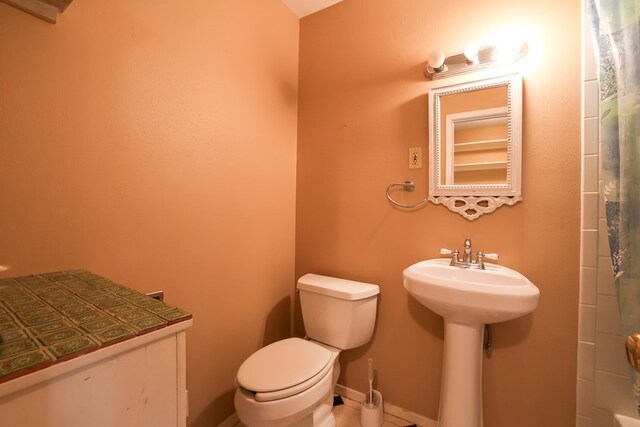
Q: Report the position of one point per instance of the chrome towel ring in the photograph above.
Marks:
(406, 186)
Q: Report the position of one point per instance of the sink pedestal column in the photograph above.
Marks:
(461, 392)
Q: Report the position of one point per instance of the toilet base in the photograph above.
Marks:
(282, 413)
(320, 417)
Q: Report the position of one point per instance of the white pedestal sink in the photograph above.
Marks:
(467, 299)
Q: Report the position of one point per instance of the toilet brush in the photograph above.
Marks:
(372, 413)
(370, 383)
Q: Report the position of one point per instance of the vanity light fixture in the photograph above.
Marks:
(474, 58)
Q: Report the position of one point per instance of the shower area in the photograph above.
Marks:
(609, 310)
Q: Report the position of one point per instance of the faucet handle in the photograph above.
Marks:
(453, 253)
(491, 256)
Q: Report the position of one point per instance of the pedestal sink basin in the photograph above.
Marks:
(465, 295)
(467, 299)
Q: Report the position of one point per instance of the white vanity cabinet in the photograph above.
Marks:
(140, 382)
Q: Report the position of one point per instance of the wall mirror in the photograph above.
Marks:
(475, 145)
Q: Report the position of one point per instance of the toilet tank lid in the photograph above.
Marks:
(337, 288)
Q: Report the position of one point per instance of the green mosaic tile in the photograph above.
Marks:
(73, 347)
(88, 295)
(145, 302)
(128, 316)
(175, 315)
(93, 299)
(80, 271)
(100, 282)
(71, 281)
(114, 334)
(6, 295)
(8, 326)
(74, 283)
(147, 324)
(12, 335)
(98, 325)
(30, 279)
(87, 317)
(103, 287)
(56, 297)
(58, 276)
(71, 313)
(80, 309)
(120, 309)
(157, 309)
(72, 302)
(53, 292)
(38, 286)
(136, 296)
(33, 312)
(19, 301)
(124, 292)
(27, 362)
(17, 347)
(109, 303)
(60, 335)
(51, 287)
(33, 305)
(71, 285)
(41, 319)
(49, 327)
(11, 287)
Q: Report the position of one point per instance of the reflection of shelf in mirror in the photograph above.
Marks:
(490, 144)
(463, 167)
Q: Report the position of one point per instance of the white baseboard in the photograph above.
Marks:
(389, 409)
(232, 421)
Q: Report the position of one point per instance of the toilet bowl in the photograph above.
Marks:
(300, 383)
(291, 382)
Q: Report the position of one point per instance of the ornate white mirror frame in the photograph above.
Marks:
(471, 200)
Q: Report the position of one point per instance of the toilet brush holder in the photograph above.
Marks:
(372, 413)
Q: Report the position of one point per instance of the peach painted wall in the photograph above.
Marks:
(363, 103)
(154, 142)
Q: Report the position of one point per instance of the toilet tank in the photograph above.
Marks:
(338, 312)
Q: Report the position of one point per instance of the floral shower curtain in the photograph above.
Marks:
(616, 30)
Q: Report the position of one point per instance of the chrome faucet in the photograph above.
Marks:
(467, 251)
(466, 261)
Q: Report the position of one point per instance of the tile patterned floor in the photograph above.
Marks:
(348, 415)
(52, 317)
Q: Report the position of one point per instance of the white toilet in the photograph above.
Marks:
(290, 382)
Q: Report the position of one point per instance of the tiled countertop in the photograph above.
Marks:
(49, 318)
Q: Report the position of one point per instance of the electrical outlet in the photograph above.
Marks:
(415, 158)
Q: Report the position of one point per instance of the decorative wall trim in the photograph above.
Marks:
(471, 207)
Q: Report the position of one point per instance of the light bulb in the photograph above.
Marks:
(436, 60)
(511, 49)
(471, 53)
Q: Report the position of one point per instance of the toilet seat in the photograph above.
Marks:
(284, 368)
